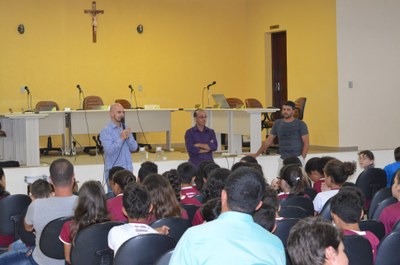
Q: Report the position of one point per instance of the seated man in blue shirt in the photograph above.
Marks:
(200, 140)
(233, 238)
(117, 141)
(392, 168)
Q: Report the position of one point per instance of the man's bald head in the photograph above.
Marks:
(117, 113)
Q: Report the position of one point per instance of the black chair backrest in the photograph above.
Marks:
(11, 208)
(165, 258)
(177, 226)
(49, 243)
(283, 228)
(396, 227)
(374, 226)
(387, 250)
(310, 192)
(299, 201)
(378, 197)
(382, 205)
(326, 211)
(27, 237)
(358, 250)
(191, 210)
(143, 249)
(370, 181)
(91, 245)
(293, 212)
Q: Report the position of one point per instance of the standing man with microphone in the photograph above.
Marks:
(118, 142)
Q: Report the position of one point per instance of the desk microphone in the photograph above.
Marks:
(123, 123)
(131, 88)
(27, 89)
(210, 84)
(79, 88)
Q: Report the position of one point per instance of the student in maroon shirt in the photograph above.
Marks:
(347, 210)
(391, 214)
(187, 174)
(5, 240)
(114, 205)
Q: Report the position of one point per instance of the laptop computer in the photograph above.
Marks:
(221, 101)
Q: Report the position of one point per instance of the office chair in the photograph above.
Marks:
(358, 250)
(374, 226)
(191, 210)
(125, 103)
(382, 205)
(92, 102)
(396, 227)
(299, 201)
(143, 249)
(235, 103)
(300, 106)
(283, 228)
(165, 258)
(49, 243)
(326, 211)
(48, 106)
(377, 198)
(370, 181)
(11, 208)
(177, 226)
(387, 250)
(91, 245)
(293, 212)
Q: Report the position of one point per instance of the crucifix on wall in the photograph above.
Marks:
(93, 12)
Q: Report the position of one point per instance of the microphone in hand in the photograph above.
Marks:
(123, 123)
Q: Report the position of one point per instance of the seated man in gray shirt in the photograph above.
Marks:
(291, 132)
(42, 211)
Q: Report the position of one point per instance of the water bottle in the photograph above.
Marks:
(142, 154)
(159, 153)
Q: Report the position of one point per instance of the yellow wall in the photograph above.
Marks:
(311, 59)
(185, 45)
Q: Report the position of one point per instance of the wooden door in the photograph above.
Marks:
(279, 68)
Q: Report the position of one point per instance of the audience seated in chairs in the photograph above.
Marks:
(314, 242)
(91, 209)
(187, 175)
(39, 189)
(114, 205)
(40, 212)
(391, 214)
(213, 188)
(290, 182)
(147, 168)
(347, 210)
(392, 168)
(111, 174)
(6, 237)
(173, 178)
(233, 229)
(136, 206)
(315, 171)
(336, 173)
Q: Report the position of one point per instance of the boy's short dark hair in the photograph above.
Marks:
(292, 160)
(249, 159)
(61, 172)
(314, 164)
(211, 209)
(40, 189)
(147, 168)
(347, 206)
(397, 154)
(308, 240)
(136, 201)
(186, 172)
(112, 171)
(367, 153)
(245, 188)
(123, 178)
(265, 216)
